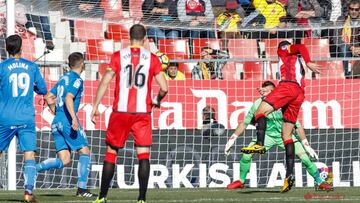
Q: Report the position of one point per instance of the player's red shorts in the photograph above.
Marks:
(122, 124)
(289, 96)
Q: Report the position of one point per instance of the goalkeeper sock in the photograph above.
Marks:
(143, 174)
(245, 164)
(29, 175)
(107, 176)
(290, 156)
(260, 124)
(83, 170)
(311, 168)
(49, 164)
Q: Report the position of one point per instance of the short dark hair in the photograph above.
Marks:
(268, 83)
(137, 32)
(75, 59)
(203, 48)
(13, 44)
(173, 64)
(352, 2)
(283, 43)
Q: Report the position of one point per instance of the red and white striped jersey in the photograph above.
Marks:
(135, 68)
(290, 67)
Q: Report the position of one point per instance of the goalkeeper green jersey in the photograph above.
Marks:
(273, 120)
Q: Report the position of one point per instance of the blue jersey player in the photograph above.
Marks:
(19, 78)
(64, 100)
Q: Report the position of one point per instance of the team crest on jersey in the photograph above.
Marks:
(77, 83)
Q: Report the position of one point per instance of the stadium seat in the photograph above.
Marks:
(99, 49)
(318, 48)
(85, 30)
(199, 43)
(186, 69)
(28, 48)
(112, 10)
(253, 70)
(117, 32)
(331, 69)
(174, 48)
(229, 71)
(243, 48)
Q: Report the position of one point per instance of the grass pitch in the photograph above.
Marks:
(195, 195)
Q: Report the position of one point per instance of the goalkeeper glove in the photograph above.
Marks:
(229, 144)
(310, 150)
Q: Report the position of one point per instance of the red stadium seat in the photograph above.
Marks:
(199, 43)
(117, 32)
(318, 48)
(253, 70)
(85, 30)
(174, 48)
(331, 69)
(99, 49)
(229, 71)
(28, 48)
(243, 48)
(112, 10)
(186, 69)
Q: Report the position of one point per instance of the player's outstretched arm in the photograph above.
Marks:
(39, 82)
(69, 102)
(105, 81)
(51, 101)
(301, 132)
(301, 49)
(161, 81)
(238, 131)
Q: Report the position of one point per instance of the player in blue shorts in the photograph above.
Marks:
(64, 100)
(19, 79)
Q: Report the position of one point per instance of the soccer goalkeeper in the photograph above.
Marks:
(273, 138)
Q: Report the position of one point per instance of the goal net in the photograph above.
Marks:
(186, 152)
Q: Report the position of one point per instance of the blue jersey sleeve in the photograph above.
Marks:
(40, 85)
(54, 90)
(75, 86)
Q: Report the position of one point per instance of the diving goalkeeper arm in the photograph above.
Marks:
(238, 131)
(301, 132)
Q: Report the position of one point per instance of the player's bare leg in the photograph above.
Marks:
(83, 173)
(260, 123)
(287, 129)
(143, 154)
(30, 176)
(107, 174)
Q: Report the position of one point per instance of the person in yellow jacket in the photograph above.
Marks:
(229, 21)
(172, 72)
(273, 11)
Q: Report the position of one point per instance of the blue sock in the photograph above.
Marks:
(49, 164)
(318, 179)
(83, 170)
(29, 175)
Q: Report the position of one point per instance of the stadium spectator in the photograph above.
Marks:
(81, 9)
(229, 21)
(211, 127)
(172, 72)
(306, 12)
(273, 11)
(209, 70)
(195, 14)
(38, 19)
(160, 12)
(347, 37)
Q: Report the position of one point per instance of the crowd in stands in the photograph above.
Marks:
(335, 20)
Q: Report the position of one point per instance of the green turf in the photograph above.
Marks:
(196, 195)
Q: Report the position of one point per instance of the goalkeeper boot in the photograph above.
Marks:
(29, 197)
(84, 193)
(324, 186)
(288, 183)
(235, 185)
(255, 148)
(141, 201)
(102, 200)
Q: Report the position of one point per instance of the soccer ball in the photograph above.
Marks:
(164, 60)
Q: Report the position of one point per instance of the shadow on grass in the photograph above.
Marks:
(258, 191)
(50, 195)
